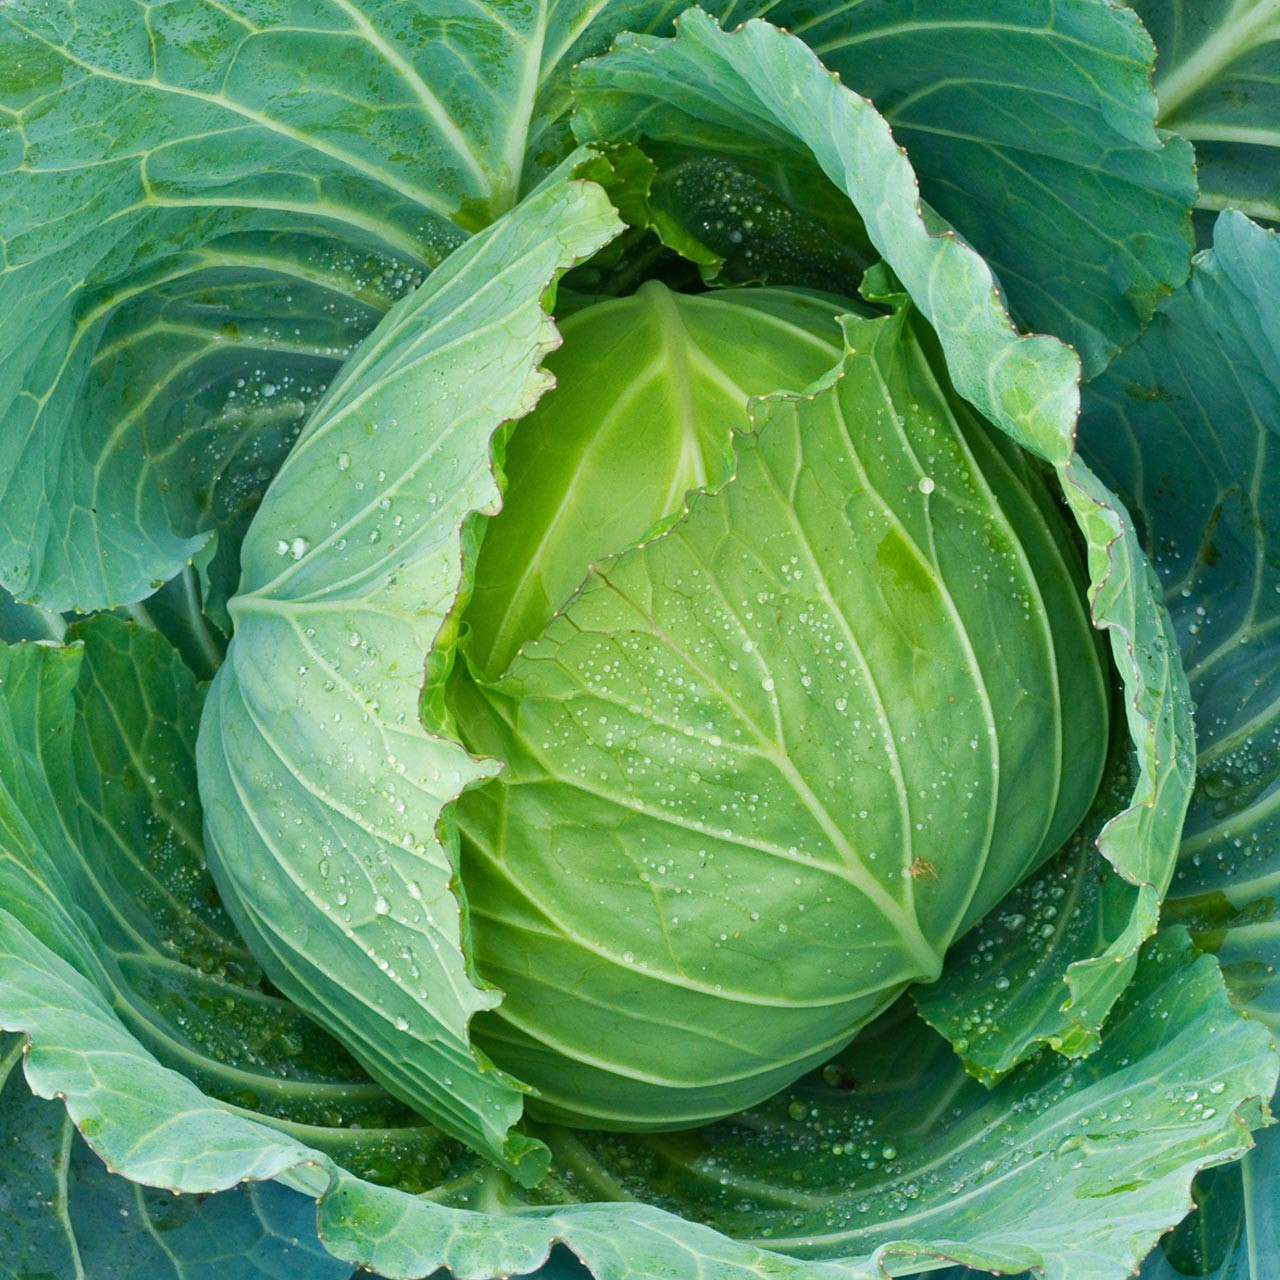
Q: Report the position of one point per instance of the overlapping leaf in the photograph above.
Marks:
(65, 1215)
(1073, 1168)
(153, 1124)
(761, 88)
(1218, 84)
(323, 794)
(109, 867)
(1032, 128)
(1184, 425)
(271, 183)
(154, 1127)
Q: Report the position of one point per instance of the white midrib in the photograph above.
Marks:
(521, 116)
(1244, 27)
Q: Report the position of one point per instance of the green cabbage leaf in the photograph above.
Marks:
(280, 290)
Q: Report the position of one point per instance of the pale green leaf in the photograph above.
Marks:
(761, 84)
(611, 457)
(323, 794)
(776, 724)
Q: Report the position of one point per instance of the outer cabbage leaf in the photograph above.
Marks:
(1218, 84)
(759, 84)
(65, 1215)
(1184, 425)
(99, 751)
(1032, 129)
(151, 1124)
(110, 867)
(261, 218)
(892, 1151)
(1231, 1233)
(154, 1127)
(323, 794)
(132, 858)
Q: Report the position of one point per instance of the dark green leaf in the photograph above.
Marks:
(63, 1215)
(1218, 84)
(1070, 1168)
(1031, 124)
(273, 180)
(1184, 424)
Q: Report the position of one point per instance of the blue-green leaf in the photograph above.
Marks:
(63, 1214)
(892, 1152)
(1032, 128)
(1218, 84)
(110, 869)
(154, 1127)
(1184, 425)
(177, 289)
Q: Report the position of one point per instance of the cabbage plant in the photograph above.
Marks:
(602, 611)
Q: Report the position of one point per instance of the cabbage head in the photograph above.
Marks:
(762, 769)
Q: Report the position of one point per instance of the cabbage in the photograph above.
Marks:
(600, 617)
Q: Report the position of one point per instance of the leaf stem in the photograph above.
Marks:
(1241, 32)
